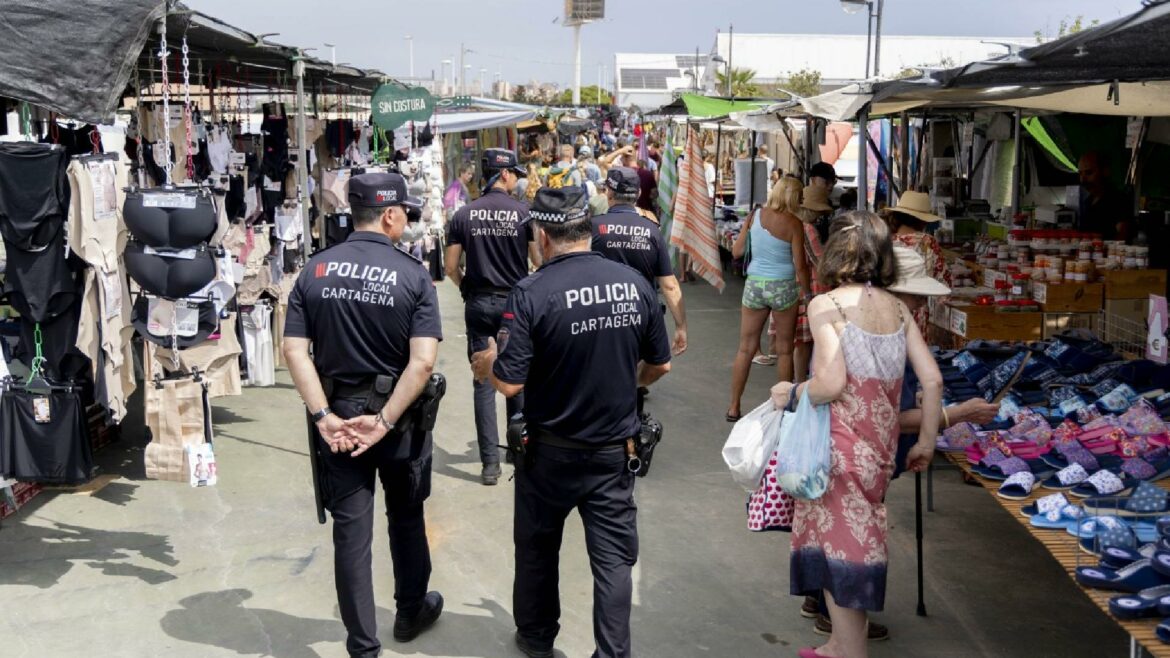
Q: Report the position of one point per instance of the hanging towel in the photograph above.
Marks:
(693, 230)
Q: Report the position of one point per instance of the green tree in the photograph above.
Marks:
(1068, 25)
(520, 94)
(803, 83)
(742, 82)
(589, 96)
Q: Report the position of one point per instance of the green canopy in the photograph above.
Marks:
(703, 107)
(1038, 132)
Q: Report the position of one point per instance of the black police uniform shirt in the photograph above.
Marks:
(624, 236)
(494, 234)
(361, 302)
(573, 334)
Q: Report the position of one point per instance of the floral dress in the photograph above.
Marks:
(839, 540)
(936, 266)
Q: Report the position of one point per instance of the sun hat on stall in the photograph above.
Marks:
(912, 276)
(816, 198)
(917, 205)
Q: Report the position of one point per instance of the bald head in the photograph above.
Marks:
(1094, 174)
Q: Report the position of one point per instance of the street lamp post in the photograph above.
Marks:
(873, 34)
(410, 44)
(446, 63)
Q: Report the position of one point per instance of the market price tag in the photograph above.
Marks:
(991, 276)
(1040, 292)
(169, 200)
(185, 254)
(236, 158)
(959, 322)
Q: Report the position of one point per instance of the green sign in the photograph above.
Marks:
(394, 105)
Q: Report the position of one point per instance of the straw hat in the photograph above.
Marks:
(917, 205)
(816, 198)
(912, 276)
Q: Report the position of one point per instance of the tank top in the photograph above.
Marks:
(771, 256)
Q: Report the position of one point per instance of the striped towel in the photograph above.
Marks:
(693, 230)
(667, 185)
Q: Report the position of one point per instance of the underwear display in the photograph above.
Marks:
(216, 358)
(42, 285)
(169, 274)
(43, 437)
(77, 141)
(34, 194)
(164, 322)
(335, 188)
(156, 218)
(219, 148)
(338, 226)
(257, 324)
(178, 414)
(338, 136)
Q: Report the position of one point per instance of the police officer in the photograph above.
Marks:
(626, 236)
(370, 313)
(492, 232)
(578, 337)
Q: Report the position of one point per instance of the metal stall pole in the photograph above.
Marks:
(904, 145)
(718, 177)
(752, 175)
(863, 161)
(1017, 168)
(302, 159)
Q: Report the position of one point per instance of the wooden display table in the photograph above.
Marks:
(1064, 548)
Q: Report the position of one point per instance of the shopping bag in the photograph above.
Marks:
(804, 450)
(750, 443)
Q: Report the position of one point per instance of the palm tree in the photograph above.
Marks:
(742, 82)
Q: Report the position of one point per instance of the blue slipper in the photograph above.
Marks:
(1134, 578)
(1116, 557)
(1103, 483)
(1163, 631)
(1145, 499)
(1146, 603)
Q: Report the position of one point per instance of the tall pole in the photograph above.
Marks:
(410, 44)
(482, 82)
(877, 40)
(730, 47)
(302, 161)
(695, 77)
(863, 161)
(1017, 167)
(868, 36)
(462, 71)
(576, 64)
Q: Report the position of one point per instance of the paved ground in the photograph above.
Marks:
(144, 568)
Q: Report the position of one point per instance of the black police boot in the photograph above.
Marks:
(408, 628)
(529, 649)
(490, 474)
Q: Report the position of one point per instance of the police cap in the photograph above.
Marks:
(559, 205)
(381, 190)
(496, 160)
(623, 180)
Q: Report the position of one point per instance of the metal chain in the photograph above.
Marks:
(36, 368)
(175, 364)
(166, 102)
(187, 108)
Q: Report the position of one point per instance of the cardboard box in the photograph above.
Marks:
(1069, 297)
(1134, 284)
(985, 322)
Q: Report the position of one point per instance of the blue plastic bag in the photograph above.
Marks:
(805, 450)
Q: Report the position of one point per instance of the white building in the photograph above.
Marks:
(652, 80)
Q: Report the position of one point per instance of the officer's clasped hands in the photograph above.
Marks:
(356, 435)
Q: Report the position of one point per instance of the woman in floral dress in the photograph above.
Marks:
(862, 339)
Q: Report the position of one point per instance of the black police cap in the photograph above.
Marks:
(381, 190)
(623, 180)
(559, 205)
(496, 160)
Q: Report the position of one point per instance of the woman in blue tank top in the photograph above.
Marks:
(778, 278)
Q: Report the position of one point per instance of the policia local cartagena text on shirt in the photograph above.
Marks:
(581, 414)
(361, 339)
(493, 234)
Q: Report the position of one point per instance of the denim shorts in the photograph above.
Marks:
(775, 294)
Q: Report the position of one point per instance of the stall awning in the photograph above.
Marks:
(72, 57)
(453, 122)
(704, 106)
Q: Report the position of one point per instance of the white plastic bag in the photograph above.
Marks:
(751, 443)
(804, 452)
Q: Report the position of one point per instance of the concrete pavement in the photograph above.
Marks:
(145, 568)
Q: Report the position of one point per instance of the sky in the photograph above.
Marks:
(523, 40)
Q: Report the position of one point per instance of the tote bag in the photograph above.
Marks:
(804, 450)
(751, 442)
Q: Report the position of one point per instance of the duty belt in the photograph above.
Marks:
(547, 438)
(490, 290)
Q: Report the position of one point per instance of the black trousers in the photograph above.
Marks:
(348, 487)
(483, 314)
(553, 483)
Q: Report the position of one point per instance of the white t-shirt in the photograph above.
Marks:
(709, 170)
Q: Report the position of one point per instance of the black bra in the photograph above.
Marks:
(154, 221)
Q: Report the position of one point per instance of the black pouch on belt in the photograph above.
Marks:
(379, 393)
(517, 438)
(647, 440)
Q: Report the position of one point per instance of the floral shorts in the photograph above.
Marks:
(776, 294)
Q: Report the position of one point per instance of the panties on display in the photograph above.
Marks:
(338, 136)
(34, 194)
(58, 339)
(338, 226)
(42, 285)
(170, 219)
(170, 275)
(178, 414)
(257, 324)
(161, 321)
(78, 141)
(43, 436)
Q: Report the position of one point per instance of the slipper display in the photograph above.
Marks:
(1133, 578)
(1163, 631)
(1146, 499)
(1018, 486)
(1146, 603)
(1115, 557)
(1102, 483)
(1053, 512)
(1066, 478)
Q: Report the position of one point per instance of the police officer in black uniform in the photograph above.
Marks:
(370, 314)
(492, 232)
(579, 336)
(625, 236)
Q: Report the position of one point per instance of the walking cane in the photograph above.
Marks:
(918, 538)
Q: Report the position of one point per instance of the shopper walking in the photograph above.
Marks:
(343, 343)
(909, 220)
(863, 336)
(581, 414)
(778, 276)
(814, 211)
(457, 194)
(493, 233)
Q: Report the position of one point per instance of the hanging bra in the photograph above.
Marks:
(169, 227)
(167, 274)
(207, 323)
(34, 194)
